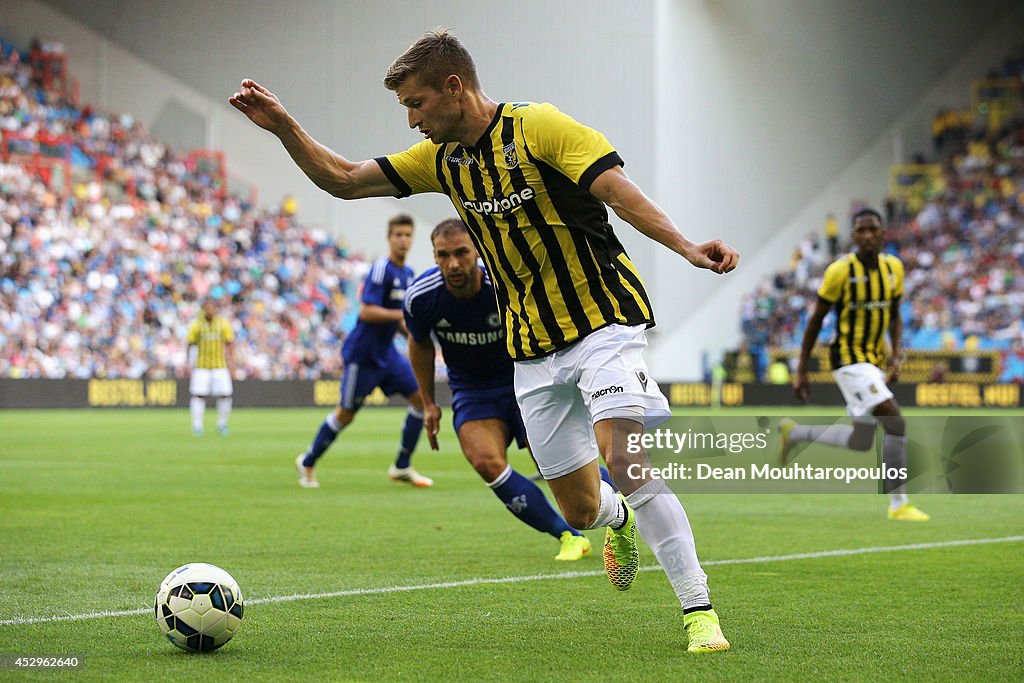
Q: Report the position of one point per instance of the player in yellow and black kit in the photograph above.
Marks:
(864, 288)
(532, 185)
(524, 192)
(214, 366)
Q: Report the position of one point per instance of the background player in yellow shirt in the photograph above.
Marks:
(214, 366)
(865, 288)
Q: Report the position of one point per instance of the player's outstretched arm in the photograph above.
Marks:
(801, 386)
(329, 170)
(627, 200)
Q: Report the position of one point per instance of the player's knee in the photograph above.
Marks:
(894, 425)
(416, 401)
(889, 416)
(488, 465)
(863, 437)
(344, 416)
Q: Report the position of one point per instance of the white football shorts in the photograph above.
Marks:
(210, 382)
(863, 386)
(561, 395)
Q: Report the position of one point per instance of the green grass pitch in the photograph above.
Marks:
(97, 506)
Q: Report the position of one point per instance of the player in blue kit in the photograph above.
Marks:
(455, 303)
(371, 360)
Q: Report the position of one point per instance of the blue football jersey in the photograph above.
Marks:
(385, 286)
(470, 331)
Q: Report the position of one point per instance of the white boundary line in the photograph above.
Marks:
(533, 577)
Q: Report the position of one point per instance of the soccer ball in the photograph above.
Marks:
(198, 607)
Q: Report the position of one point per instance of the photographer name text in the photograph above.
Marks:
(764, 472)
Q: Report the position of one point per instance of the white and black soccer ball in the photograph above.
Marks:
(199, 607)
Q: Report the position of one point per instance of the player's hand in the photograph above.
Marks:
(432, 423)
(801, 387)
(716, 256)
(892, 370)
(260, 105)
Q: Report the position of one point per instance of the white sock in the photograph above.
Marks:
(501, 478)
(894, 455)
(223, 410)
(610, 513)
(197, 406)
(332, 422)
(833, 435)
(662, 522)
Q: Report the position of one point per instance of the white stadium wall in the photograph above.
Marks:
(745, 119)
(773, 113)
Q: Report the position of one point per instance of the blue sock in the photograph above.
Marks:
(328, 432)
(410, 436)
(607, 478)
(527, 502)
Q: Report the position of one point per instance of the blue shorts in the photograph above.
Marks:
(483, 404)
(358, 381)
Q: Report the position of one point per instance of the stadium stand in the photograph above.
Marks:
(109, 240)
(958, 227)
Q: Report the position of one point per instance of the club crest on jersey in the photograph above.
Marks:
(494, 320)
(511, 158)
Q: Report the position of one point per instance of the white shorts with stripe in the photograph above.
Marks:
(863, 386)
(561, 395)
(210, 382)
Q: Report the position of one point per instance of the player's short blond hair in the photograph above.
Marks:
(432, 58)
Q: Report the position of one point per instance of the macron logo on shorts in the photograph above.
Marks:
(605, 392)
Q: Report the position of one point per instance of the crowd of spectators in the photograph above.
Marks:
(963, 252)
(101, 273)
(100, 276)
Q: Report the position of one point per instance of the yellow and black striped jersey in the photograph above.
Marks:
(210, 336)
(559, 271)
(864, 299)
